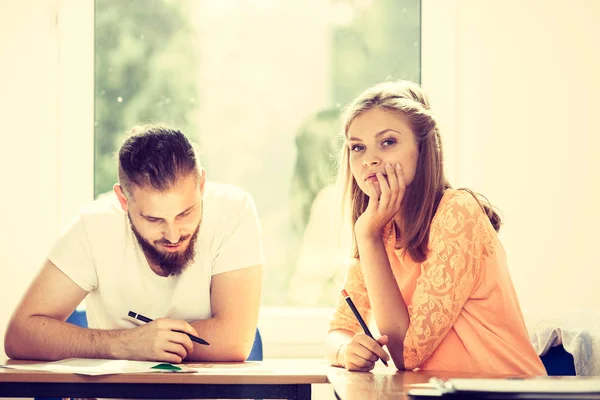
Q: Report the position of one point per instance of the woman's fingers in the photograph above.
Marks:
(359, 349)
(401, 184)
(362, 352)
(359, 358)
(393, 183)
(373, 196)
(362, 366)
(384, 199)
(374, 347)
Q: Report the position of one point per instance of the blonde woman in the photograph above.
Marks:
(428, 266)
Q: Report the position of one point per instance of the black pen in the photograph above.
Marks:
(146, 319)
(360, 320)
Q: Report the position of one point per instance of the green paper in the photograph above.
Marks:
(167, 367)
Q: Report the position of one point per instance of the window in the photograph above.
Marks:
(259, 86)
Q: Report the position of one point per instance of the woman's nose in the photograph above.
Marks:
(371, 159)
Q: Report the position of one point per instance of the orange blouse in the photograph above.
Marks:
(463, 309)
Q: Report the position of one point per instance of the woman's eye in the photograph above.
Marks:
(153, 220)
(388, 142)
(357, 147)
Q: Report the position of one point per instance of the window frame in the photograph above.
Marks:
(75, 25)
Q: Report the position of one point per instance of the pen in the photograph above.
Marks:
(359, 318)
(146, 319)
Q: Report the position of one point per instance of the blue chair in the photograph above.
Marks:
(256, 354)
(78, 318)
(558, 362)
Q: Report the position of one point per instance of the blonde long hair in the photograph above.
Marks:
(425, 192)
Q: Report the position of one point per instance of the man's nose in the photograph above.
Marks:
(172, 233)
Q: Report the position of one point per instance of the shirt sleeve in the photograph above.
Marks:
(343, 318)
(240, 245)
(460, 238)
(73, 255)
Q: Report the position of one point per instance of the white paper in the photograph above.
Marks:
(222, 368)
(95, 366)
(422, 385)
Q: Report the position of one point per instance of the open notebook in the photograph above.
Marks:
(511, 388)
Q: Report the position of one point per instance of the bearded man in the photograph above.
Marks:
(169, 245)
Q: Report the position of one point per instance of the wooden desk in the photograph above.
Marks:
(385, 383)
(276, 379)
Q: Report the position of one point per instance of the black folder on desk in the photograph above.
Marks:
(509, 388)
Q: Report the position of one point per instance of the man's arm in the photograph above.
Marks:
(235, 301)
(37, 329)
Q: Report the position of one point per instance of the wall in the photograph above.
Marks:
(46, 109)
(520, 80)
(29, 115)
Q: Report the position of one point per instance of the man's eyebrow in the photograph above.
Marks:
(187, 209)
(355, 139)
(181, 213)
(148, 216)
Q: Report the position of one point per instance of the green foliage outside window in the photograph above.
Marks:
(144, 72)
(382, 42)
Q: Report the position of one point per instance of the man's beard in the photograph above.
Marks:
(170, 263)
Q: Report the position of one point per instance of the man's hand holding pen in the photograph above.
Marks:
(160, 340)
(163, 339)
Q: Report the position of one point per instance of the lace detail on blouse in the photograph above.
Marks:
(461, 236)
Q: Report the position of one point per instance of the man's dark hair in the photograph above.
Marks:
(155, 156)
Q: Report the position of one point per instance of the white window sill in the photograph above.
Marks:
(294, 332)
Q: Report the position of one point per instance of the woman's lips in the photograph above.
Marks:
(373, 178)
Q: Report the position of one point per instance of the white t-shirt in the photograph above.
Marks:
(100, 253)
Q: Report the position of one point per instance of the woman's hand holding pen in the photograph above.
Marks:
(384, 203)
(361, 352)
(160, 340)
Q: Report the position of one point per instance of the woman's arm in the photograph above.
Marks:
(386, 300)
(346, 344)
(387, 304)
